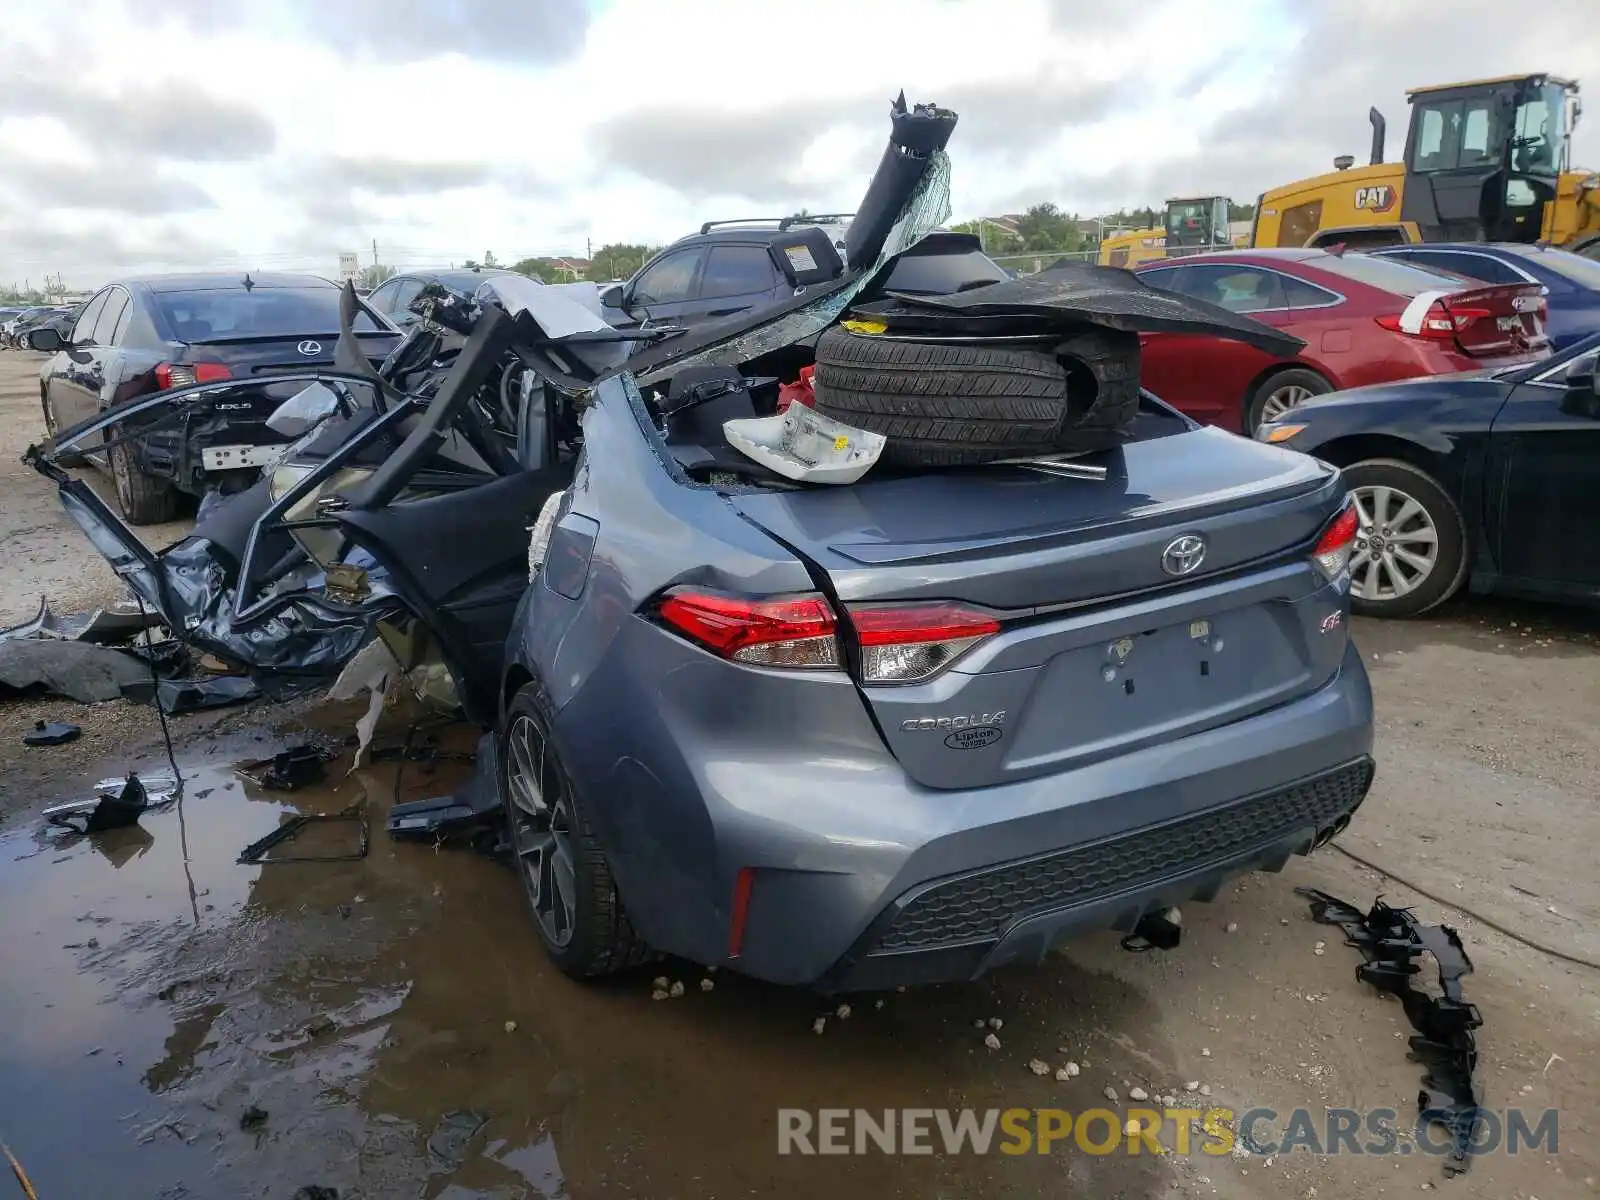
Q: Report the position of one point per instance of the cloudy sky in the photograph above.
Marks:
(288, 130)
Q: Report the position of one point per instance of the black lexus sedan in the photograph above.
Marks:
(138, 336)
(1489, 478)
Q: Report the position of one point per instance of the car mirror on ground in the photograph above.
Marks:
(45, 340)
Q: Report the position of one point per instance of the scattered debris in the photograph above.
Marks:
(991, 1041)
(875, 1003)
(289, 770)
(1062, 1074)
(179, 696)
(1233, 927)
(1205, 1051)
(1205, 1089)
(54, 733)
(1390, 941)
(448, 1142)
(1192, 1086)
(661, 994)
(1138, 1093)
(1072, 1069)
(819, 1024)
(1111, 1094)
(76, 670)
(707, 984)
(842, 1011)
(676, 989)
(252, 1118)
(1038, 1066)
(996, 1024)
(107, 810)
(355, 814)
(661, 982)
(511, 1026)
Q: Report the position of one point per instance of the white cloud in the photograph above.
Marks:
(636, 120)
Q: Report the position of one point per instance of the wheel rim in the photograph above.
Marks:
(1280, 400)
(1397, 546)
(540, 810)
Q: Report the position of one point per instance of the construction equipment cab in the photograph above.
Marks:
(1191, 225)
(1484, 161)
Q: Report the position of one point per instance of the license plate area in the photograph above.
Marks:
(1162, 682)
(234, 458)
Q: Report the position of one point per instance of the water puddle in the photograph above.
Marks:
(153, 992)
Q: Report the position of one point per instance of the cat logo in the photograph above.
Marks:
(1379, 198)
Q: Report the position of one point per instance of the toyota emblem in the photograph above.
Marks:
(1184, 555)
(309, 348)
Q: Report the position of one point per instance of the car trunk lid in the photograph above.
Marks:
(1482, 322)
(1110, 633)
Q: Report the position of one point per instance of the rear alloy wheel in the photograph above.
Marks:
(1277, 395)
(52, 427)
(1410, 551)
(143, 500)
(564, 873)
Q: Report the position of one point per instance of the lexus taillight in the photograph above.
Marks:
(178, 375)
(912, 642)
(781, 631)
(1332, 551)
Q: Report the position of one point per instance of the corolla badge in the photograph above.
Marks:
(309, 348)
(1184, 555)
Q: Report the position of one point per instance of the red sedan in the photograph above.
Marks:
(1363, 319)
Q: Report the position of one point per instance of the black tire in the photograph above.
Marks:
(143, 499)
(942, 404)
(51, 428)
(1450, 561)
(599, 937)
(1255, 403)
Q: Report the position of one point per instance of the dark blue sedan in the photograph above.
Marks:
(1490, 478)
(1572, 281)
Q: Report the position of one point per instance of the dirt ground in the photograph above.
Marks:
(153, 991)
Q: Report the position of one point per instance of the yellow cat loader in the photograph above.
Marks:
(1487, 160)
(1192, 224)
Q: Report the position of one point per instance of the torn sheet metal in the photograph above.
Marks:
(104, 626)
(372, 670)
(1391, 940)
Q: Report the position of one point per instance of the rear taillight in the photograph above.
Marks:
(783, 631)
(177, 375)
(913, 642)
(1332, 551)
(1437, 323)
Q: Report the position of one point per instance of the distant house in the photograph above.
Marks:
(572, 268)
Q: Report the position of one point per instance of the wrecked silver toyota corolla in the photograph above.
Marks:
(403, 502)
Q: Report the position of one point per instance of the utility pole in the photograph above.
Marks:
(588, 249)
(374, 251)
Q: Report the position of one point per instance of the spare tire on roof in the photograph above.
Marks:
(945, 403)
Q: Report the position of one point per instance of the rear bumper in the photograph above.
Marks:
(863, 879)
(963, 926)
